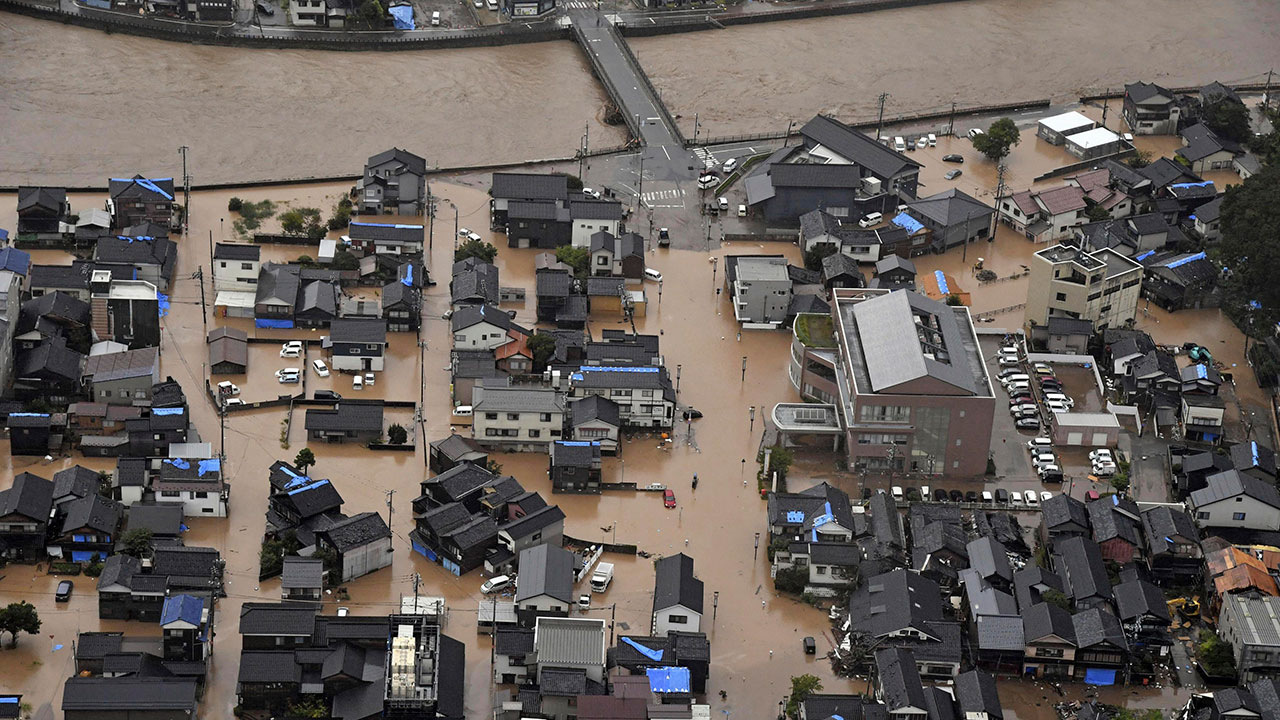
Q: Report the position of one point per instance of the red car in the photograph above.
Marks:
(668, 498)
(1091, 495)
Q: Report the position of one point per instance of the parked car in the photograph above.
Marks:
(706, 181)
(1059, 397)
(463, 232)
(987, 497)
(1002, 496)
(957, 496)
(729, 165)
(1046, 470)
(810, 647)
(1007, 361)
(897, 493)
(63, 593)
(226, 387)
(1004, 374)
(265, 9)
(1056, 407)
(595, 194)
(475, 236)
(1045, 496)
(497, 583)
(1040, 442)
(327, 395)
(232, 402)
(723, 204)
(1028, 424)
(940, 495)
(651, 274)
(357, 382)
(975, 132)
(1021, 408)
(870, 219)
(1015, 498)
(1044, 459)
(1100, 454)
(668, 498)
(1017, 385)
(369, 379)
(1015, 377)
(321, 369)
(953, 174)
(291, 349)
(971, 496)
(1031, 499)
(953, 158)
(282, 372)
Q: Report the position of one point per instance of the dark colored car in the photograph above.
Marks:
(668, 498)
(63, 593)
(327, 395)
(810, 647)
(266, 9)
(1002, 496)
(957, 496)
(953, 158)
(692, 413)
(866, 493)
(940, 495)
(953, 174)
(971, 496)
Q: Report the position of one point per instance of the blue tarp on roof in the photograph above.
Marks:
(1254, 447)
(1185, 260)
(148, 183)
(1145, 255)
(654, 655)
(942, 282)
(6, 700)
(276, 324)
(210, 465)
(907, 222)
(402, 17)
(312, 486)
(1201, 371)
(186, 608)
(4, 234)
(12, 258)
(1098, 676)
(407, 280)
(179, 463)
(167, 411)
(577, 443)
(28, 414)
(163, 301)
(795, 516)
(669, 679)
(1206, 183)
(392, 225)
(84, 555)
(297, 479)
(604, 368)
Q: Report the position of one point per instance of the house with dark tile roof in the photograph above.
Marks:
(148, 258)
(544, 585)
(677, 596)
(1102, 648)
(25, 509)
(474, 282)
(1141, 605)
(394, 182)
(1174, 555)
(574, 466)
(1149, 109)
(1232, 499)
(1050, 638)
(1254, 459)
(348, 420)
(977, 697)
(363, 544)
(597, 419)
(898, 684)
(637, 654)
(137, 199)
(453, 536)
(448, 452)
(1078, 561)
(89, 529)
(129, 590)
(1116, 524)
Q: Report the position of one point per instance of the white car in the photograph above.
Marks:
(1016, 377)
(1057, 407)
(1045, 496)
(729, 165)
(321, 369)
(1022, 408)
(232, 402)
(1042, 368)
(1017, 385)
(475, 236)
(464, 232)
(1101, 454)
(1044, 459)
(368, 379)
(1015, 498)
(357, 382)
(897, 493)
(287, 371)
(226, 387)
(288, 378)
(1039, 443)
(591, 193)
(1104, 470)
(495, 584)
(1031, 499)
(1044, 470)
(291, 349)
(1060, 398)
(651, 274)
(1008, 362)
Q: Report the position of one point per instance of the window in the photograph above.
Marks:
(243, 266)
(1061, 297)
(513, 416)
(535, 433)
(1202, 515)
(170, 493)
(491, 416)
(555, 433)
(544, 417)
(678, 619)
(1049, 652)
(1237, 516)
(106, 393)
(202, 495)
(884, 414)
(602, 260)
(459, 337)
(822, 569)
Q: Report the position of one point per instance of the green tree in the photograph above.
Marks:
(813, 257)
(234, 204)
(1139, 159)
(1267, 147)
(312, 707)
(369, 15)
(137, 542)
(955, 300)
(397, 434)
(998, 140)
(341, 216)
(802, 686)
(344, 260)
(332, 564)
(1053, 597)
(791, 580)
(1097, 213)
(780, 459)
(1250, 225)
(1228, 119)
(19, 617)
(493, 466)
(477, 249)
(1215, 654)
(302, 221)
(574, 182)
(577, 258)
(542, 346)
(304, 459)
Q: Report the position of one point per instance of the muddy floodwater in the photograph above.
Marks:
(716, 525)
(99, 104)
(975, 52)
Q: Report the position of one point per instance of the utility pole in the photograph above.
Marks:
(951, 124)
(744, 368)
(995, 216)
(1105, 105)
(880, 120)
(431, 221)
(964, 254)
(613, 616)
(752, 410)
(640, 184)
(211, 246)
(695, 128)
(390, 493)
(204, 310)
(678, 368)
(755, 554)
(715, 607)
(1266, 92)
(186, 190)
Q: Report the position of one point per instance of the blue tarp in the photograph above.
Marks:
(28, 414)
(1254, 447)
(1206, 183)
(942, 282)
(1145, 255)
(407, 280)
(1185, 260)
(187, 608)
(182, 527)
(78, 538)
(654, 655)
(12, 258)
(577, 443)
(603, 368)
(1098, 676)
(795, 516)
(148, 183)
(179, 463)
(4, 234)
(907, 222)
(390, 225)
(669, 680)
(1201, 371)
(167, 411)
(83, 555)
(210, 465)
(276, 324)
(305, 488)
(163, 301)
(8, 700)
(402, 18)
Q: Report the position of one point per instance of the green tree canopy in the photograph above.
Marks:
(813, 257)
(1228, 119)
(1250, 226)
(397, 434)
(137, 542)
(802, 686)
(304, 459)
(476, 249)
(576, 258)
(1097, 213)
(998, 140)
(542, 346)
(19, 617)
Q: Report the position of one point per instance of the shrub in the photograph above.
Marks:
(234, 204)
(791, 580)
(397, 434)
(94, 569)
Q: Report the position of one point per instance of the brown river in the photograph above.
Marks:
(719, 532)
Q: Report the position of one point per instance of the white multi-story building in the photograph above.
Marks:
(1101, 286)
(517, 418)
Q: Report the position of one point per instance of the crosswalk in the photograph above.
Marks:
(578, 4)
(705, 156)
(673, 194)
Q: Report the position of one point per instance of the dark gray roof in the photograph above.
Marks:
(951, 207)
(515, 642)
(529, 186)
(1069, 326)
(478, 283)
(126, 695)
(976, 693)
(94, 512)
(893, 601)
(164, 519)
(989, 558)
(1110, 524)
(1079, 561)
(31, 496)
(51, 357)
(56, 305)
(160, 252)
(563, 681)
(412, 163)
(460, 480)
(313, 498)
(358, 330)
(595, 210)
(1000, 632)
(457, 447)
(899, 679)
(674, 584)
(77, 481)
(545, 570)
(346, 415)
(297, 619)
(1095, 626)
(1044, 619)
(533, 521)
(44, 197)
(894, 262)
(857, 147)
(1138, 598)
(1165, 171)
(273, 666)
(597, 286)
(122, 365)
(520, 399)
(236, 251)
(1267, 692)
(594, 407)
(536, 210)
(465, 317)
(1231, 483)
(550, 283)
(357, 530)
(119, 570)
(1210, 211)
(1163, 523)
(1061, 510)
(1201, 142)
(279, 282)
(1142, 91)
(318, 297)
(91, 645)
(1232, 700)
(578, 454)
(840, 264)
(1249, 455)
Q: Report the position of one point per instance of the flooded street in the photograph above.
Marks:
(978, 52)
(99, 104)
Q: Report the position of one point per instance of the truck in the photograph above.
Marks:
(601, 578)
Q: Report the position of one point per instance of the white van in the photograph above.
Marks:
(435, 18)
(357, 382)
(723, 203)
(462, 415)
(742, 210)
(729, 165)
(651, 274)
(899, 144)
(871, 219)
(495, 584)
(933, 140)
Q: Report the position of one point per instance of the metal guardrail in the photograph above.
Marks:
(597, 67)
(638, 69)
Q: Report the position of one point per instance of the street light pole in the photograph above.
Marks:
(755, 555)
(455, 225)
(678, 368)
(753, 418)
(715, 606)
(744, 368)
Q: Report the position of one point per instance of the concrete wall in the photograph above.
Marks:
(365, 559)
(662, 620)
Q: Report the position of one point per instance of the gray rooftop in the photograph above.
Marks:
(545, 570)
(502, 399)
(1256, 619)
(569, 641)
